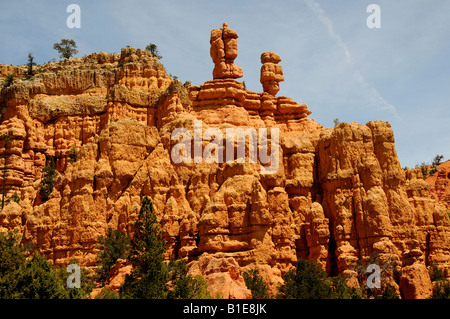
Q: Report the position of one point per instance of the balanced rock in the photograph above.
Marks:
(223, 52)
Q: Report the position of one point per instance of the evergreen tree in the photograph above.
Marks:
(153, 49)
(388, 293)
(12, 261)
(66, 48)
(342, 291)
(185, 286)
(48, 179)
(149, 277)
(441, 290)
(307, 281)
(30, 65)
(39, 280)
(86, 281)
(256, 284)
(116, 245)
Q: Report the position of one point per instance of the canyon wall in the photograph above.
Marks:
(338, 195)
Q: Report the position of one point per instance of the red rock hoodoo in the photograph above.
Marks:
(339, 195)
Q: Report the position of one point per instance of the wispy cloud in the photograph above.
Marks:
(374, 97)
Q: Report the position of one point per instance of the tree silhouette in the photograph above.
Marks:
(153, 49)
(66, 48)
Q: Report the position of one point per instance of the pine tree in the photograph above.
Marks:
(39, 280)
(66, 48)
(308, 281)
(116, 245)
(256, 284)
(153, 49)
(30, 65)
(185, 286)
(149, 278)
(48, 179)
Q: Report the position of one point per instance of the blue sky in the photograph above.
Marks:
(331, 60)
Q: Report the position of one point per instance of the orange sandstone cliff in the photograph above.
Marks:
(338, 195)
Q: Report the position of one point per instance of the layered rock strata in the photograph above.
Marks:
(339, 195)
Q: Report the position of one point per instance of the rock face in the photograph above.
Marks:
(440, 185)
(337, 195)
(223, 52)
(271, 72)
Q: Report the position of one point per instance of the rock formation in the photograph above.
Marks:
(271, 72)
(339, 195)
(223, 52)
(440, 184)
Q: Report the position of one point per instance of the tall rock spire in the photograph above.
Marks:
(223, 52)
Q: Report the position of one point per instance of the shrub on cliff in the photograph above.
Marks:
(9, 80)
(30, 65)
(150, 275)
(73, 154)
(48, 179)
(153, 49)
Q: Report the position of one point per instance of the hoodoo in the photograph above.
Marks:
(338, 196)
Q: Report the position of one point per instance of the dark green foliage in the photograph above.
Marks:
(150, 275)
(30, 65)
(342, 291)
(436, 273)
(49, 175)
(14, 197)
(34, 277)
(307, 281)
(21, 278)
(116, 245)
(437, 160)
(441, 283)
(388, 293)
(73, 154)
(153, 49)
(39, 280)
(256, 284)
(441, 290)
(66, 48)
(9, 80)
(185, 286)
(107, 293)
(424, 171)
(11, 262)
(87, 284)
